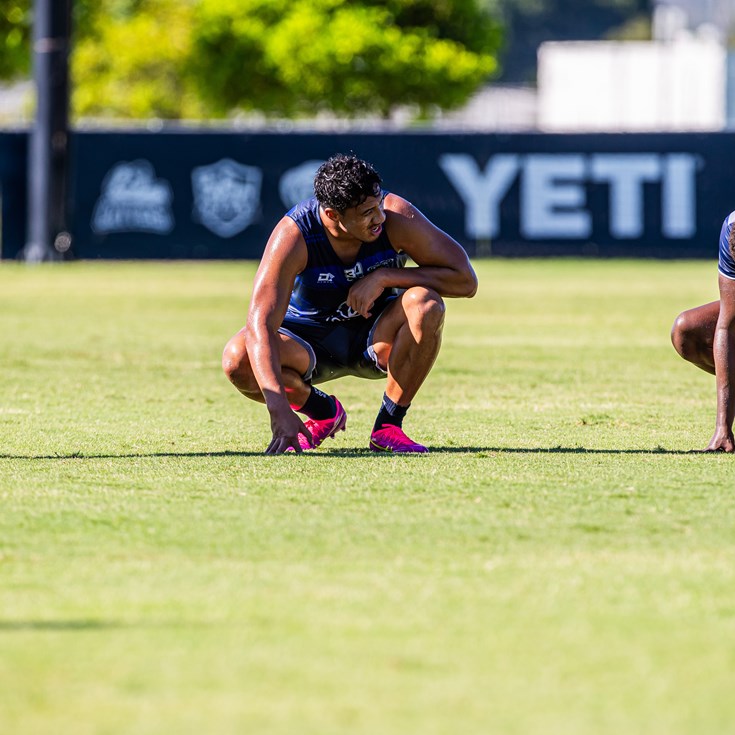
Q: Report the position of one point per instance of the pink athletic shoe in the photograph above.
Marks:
(391, 438)
(322, 429)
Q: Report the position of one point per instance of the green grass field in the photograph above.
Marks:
(561, 564)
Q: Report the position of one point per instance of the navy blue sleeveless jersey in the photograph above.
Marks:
(727, 260)
(320, 290)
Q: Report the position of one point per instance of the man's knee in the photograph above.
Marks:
(686, 336)
(680, 332)
(236, 365)
(424, 307)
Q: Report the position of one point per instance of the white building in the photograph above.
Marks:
(682, 80)
(633, 86)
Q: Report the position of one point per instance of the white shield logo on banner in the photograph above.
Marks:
(297, 183)
(226, 196)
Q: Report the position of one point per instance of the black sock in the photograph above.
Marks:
(390, 413)
(319, 405)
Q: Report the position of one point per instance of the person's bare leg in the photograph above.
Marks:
(407, 340)
(294, 363)
(693, 335)
(326, 414)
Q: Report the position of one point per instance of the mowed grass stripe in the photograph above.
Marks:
(560, 563)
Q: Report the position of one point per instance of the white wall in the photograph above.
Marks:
(632, 86)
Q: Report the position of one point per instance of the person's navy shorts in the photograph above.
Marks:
(339, 348)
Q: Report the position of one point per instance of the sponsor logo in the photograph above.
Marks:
(133, 200)
(390, 263)
(226, 196)
(553, 192)
(352, 274)
(343, 313)
(325, 278)
(297, 183)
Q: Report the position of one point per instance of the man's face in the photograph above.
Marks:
(365, 221)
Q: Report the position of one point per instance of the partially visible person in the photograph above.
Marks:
(332, 297)
(705, 336)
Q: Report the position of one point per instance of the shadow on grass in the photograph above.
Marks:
(12, 626)
(358, 453)
(72, 626)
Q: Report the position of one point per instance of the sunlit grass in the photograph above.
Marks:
(561, 562)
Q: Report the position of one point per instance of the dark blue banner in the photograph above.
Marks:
(13, 192)
(219, 194)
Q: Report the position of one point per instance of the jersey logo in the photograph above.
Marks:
(343, 313)
(352, 274)
(325, 278)
(389, 263)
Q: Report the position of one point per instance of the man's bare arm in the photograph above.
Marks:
(442, 262)
(283, 259)
(724, 355)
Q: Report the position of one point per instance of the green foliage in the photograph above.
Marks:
(16, 21)
(299, 57)
(638, 28)
(194, 58)
(15, 33)
(474, 24)
(130, 63)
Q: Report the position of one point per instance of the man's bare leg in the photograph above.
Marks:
(294, 364)
(406, 341)
(693, 335)
(326, 415)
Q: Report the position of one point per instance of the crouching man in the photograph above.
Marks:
(332, 298)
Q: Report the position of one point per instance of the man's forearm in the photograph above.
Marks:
(724, 354)
(265, 363)
(447, 282)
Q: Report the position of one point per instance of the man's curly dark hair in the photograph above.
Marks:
(345, 181)
(731, 240)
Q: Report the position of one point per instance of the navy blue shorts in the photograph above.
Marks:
(337, 349)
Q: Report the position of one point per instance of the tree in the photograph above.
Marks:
(210, 58)
(15, 32)
(291, 57)
(133, 63)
